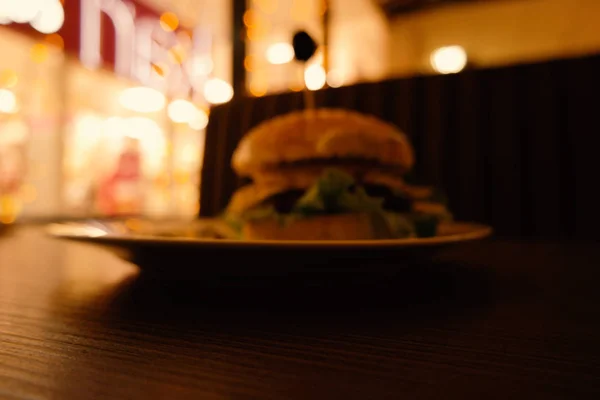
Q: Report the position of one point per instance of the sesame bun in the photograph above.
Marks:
(331, 227)
(321, 134)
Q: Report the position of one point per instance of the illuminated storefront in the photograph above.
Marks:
(30, 117)
(118, 103)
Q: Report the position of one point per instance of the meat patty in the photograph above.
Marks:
(284, 202)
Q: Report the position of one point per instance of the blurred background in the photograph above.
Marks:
(104, 103)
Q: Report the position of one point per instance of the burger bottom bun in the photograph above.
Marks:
(331, 227)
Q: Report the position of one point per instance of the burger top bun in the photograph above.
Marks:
(322, 135)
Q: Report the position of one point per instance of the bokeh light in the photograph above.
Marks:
(50, 17)
(39, 53)
(250, 18)
(169, 21)
(249, 62)
(449, 60)
(280, 53)
(314, 77)
(8, 102)
(8, 78)
(202, 65)
(181, 111)
(46, 16)
(199, 120)
(55, 40)
(335, 78)
(258, 88)
(142, 99)
(217, 91)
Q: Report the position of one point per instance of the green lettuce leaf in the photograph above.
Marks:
(323, 195)
(335, 192)
(399, 225)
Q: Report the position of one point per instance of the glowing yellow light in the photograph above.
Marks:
(205, 108)
(49, 18)
(39, 53)
(202, 65)
(168, 151)
(8, 78)
(258, 30)
(142, 99)
(249, 62)
(8, 218)
(258, 88)
(256, 33)
(449, 60)
(217, 91)
(8, 102)
(20, 11)
(250, 18)
(190, 153)
(161, 70)
(335, 78)
(181, 177)
(181, 111)
(252, 34)
(177, 54)
(314, 77)
(296, 86)
(280, 53)
(9, 209)
(199, 120)
(55, 40)
(318, 57)
(169, 21)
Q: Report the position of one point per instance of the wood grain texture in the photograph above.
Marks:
(493, 320)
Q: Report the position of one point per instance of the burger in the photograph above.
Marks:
(329, 174)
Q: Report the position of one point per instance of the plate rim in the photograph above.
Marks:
(477, 231)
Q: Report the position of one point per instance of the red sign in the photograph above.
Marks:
(127, 36)
(76, 24)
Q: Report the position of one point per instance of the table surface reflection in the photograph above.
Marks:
(499, 319)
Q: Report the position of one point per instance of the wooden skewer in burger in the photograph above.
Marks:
(329, 174)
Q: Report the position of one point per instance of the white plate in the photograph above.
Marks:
(135, 233)
(182, 255)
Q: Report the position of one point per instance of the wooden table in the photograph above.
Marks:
(496, 320)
